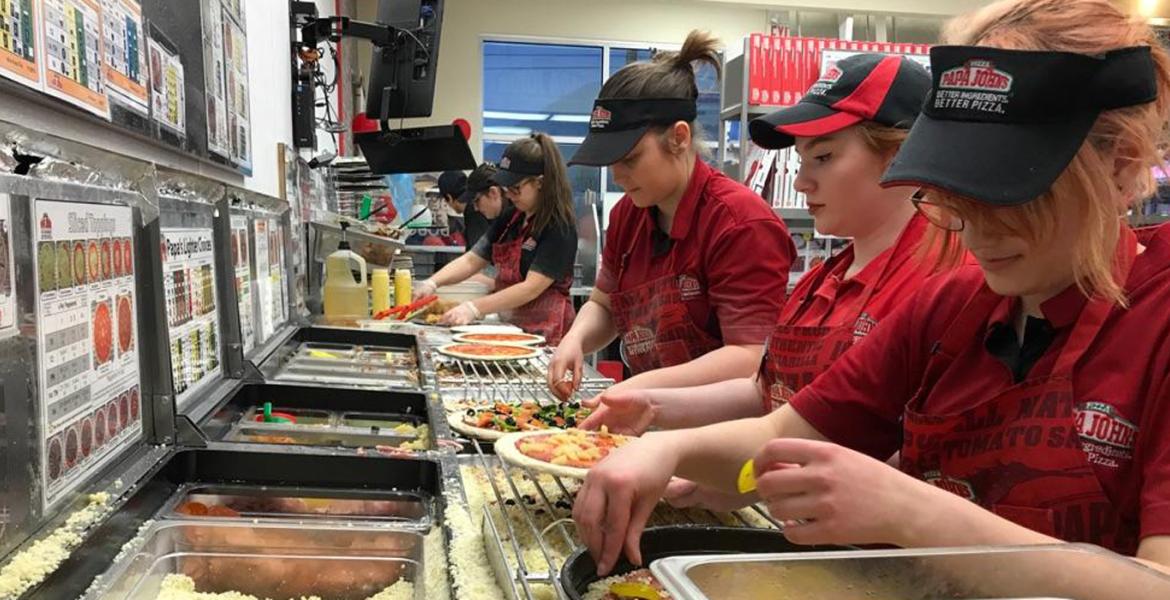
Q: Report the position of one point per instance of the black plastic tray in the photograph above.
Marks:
(579, 571)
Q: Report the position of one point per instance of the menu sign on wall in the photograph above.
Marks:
(124, 52)
(188, 257)
(19, 47)
(72, 36)
(87, 354)
(7, 284)
(242, 261)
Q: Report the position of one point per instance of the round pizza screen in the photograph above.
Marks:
(572, 448)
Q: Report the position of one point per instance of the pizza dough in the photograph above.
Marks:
(488, 352)
(508, 449)
(503, 338)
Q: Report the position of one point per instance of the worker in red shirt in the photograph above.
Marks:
(846, 130)
(1029, 397)
(695, 265)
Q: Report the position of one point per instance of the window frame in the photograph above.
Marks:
(609, 198)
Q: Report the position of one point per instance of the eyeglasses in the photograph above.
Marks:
(938, 215)
(515, 189)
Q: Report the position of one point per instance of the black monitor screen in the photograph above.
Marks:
(402, 78)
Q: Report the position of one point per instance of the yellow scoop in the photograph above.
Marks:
(634, 589)
(321, 354)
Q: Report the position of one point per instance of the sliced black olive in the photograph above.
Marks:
(471, 412)
(510, 422)
(571, 422)
(510, 502)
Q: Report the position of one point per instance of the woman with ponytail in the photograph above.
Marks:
(533, 245)
(695, 265)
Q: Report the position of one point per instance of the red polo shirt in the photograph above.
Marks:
(859, 402)
(833, 300)
(736, 246)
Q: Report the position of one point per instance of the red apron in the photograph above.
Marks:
(1001, 453)
(795, 355)
(551, 313)
(653, 319)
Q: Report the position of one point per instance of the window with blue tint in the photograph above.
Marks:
(620, 57)
(539, 87)
(551, 87)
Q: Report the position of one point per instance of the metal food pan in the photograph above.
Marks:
(269, 561)
(302, 504)
(579, 571)
(1072, 571)
(345, 380)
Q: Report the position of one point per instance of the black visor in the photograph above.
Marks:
(999, 126)
(616, 125)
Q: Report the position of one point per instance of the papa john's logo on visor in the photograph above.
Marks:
(1106, 436)
(976, 86)
(689, 287)
(505, 162)
(600, 118)
(976, 74)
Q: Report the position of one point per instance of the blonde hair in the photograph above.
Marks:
(882, 139)
(1132, 135)
(668, 75)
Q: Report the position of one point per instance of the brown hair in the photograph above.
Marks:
(1087, 187)
(555, 204)
(667, 75)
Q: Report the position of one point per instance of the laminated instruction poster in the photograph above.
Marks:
(7, 276)
(263, 281)
(87, 351)
(276, 274)
(188, 257)
(124, 52)
(236, 84)
(19, 54)
(72, 39)
(168, 93)
(214, 74)
(242, 262)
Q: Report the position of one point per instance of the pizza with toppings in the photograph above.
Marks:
(514, 339)
(492, 423)
(488, 352)
(569, 453)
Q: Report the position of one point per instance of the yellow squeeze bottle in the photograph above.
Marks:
(380, 290)
(402, 287)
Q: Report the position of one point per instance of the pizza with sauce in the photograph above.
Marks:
(568, 453)
(488, 352)
(513, 339)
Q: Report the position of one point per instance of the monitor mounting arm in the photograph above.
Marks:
(333, 29)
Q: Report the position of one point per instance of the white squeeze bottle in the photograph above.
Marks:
(345, 296)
